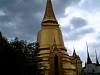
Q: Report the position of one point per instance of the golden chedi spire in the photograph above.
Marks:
(50, 29)
(49, 15)
(52, 51)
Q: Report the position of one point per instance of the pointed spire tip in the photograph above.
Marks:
(49, 13)
(88, 56)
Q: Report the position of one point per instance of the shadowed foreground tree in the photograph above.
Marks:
(19, 57)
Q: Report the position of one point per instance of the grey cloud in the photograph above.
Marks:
(25, 16)
(78, 34)
(98, 37)
(90, 5)
(96, 44)
(60, 5)
(78, 22)
(67, 29)
(77, 29)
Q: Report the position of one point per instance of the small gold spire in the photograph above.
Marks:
(49, 15)
(74, 53)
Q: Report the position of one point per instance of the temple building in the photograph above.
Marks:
(90, 67)
(54, 57)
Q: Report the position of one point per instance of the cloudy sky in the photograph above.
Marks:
(79, 21)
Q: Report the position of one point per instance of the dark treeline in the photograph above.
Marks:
(18, 57)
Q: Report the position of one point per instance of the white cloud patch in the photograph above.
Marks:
(81, 23)
(2, 13)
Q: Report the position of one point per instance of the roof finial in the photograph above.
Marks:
(49, 15)
(97, 62)
(88, 57)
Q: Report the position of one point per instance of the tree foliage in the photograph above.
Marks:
(18, 57)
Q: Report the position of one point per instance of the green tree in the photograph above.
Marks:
(19, 57)
(32, 58)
